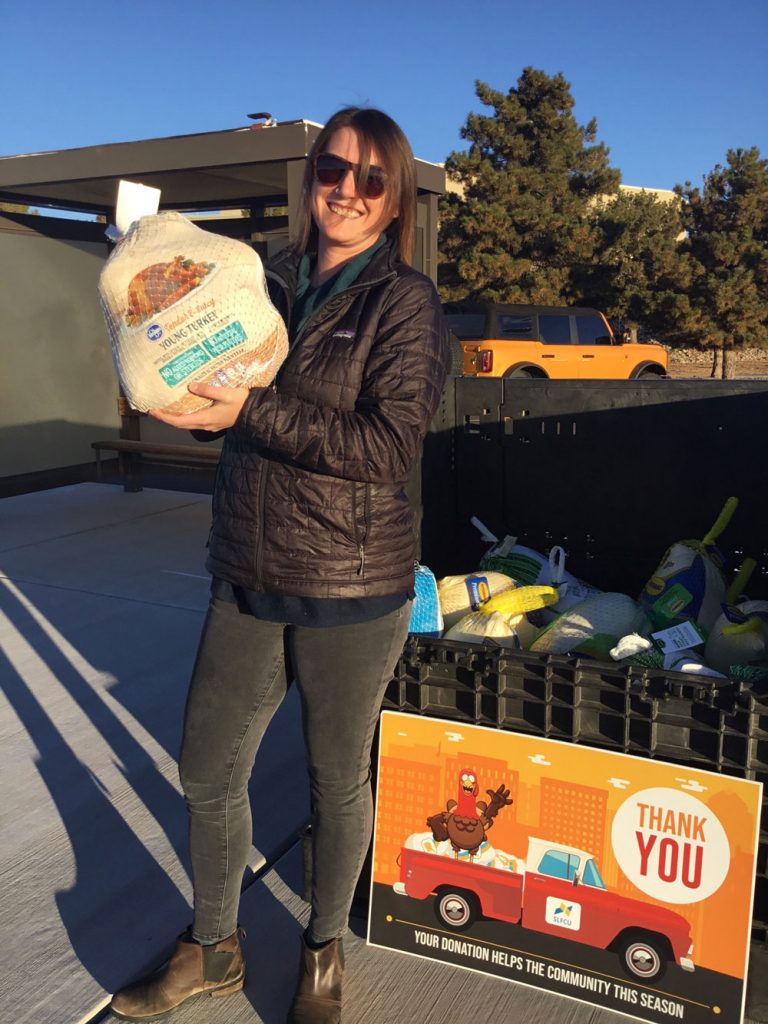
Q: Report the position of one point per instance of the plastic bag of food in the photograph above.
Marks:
(461, 594)
(476, 626)
(592, 627)
(529, 567)
(183, 305)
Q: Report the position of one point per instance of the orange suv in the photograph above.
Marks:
(562, 342)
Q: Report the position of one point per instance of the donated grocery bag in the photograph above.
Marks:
(528, 567)
(184, 305)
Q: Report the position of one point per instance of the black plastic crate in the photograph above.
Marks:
(648, 713)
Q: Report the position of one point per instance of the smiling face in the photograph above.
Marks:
(348, 222)
(468, 782)
(468, 790)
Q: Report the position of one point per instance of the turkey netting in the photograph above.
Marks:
(183, 304)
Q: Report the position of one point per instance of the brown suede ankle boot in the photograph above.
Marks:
(192, 970)
(318, 994)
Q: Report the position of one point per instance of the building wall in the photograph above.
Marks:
(57, 385)
(663, 195)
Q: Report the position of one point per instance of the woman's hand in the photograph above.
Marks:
(227, 403)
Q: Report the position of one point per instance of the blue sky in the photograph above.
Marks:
(673, 85)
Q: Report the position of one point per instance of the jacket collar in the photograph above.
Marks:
(284, 267)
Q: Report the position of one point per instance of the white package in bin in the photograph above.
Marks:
(182, 305)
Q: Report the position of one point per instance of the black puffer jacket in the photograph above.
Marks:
(309, 498)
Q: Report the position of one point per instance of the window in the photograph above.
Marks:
(515, 326)
(559, 865)
(467, 325)
(592, 875)
(554, 329)
(592, 331)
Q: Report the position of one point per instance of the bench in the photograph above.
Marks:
(131, 452)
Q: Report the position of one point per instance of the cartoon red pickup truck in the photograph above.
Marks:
(559, 892)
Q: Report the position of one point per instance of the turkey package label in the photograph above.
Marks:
(184, 305)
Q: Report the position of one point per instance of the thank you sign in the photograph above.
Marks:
(619, 881)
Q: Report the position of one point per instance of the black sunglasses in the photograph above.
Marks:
(330, 170)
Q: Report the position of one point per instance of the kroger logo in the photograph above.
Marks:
(154, 332)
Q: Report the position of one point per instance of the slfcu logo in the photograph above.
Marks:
(563, 914)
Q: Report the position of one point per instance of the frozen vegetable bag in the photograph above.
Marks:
(183, 305)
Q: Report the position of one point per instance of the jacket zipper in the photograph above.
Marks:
(359, 537)
(366, 520)
(216, 476)
(262, 489)
(262, 485)
(360, 540)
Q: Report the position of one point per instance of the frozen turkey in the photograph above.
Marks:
(183, 305)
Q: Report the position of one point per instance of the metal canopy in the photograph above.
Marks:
(205, 171)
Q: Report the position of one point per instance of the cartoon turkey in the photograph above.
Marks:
(466, 820)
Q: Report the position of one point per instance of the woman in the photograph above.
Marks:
(311, 553)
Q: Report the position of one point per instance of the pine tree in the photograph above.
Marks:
(640, 273)
(727, 243)
(521, 230)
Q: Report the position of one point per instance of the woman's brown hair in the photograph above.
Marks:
(375, 130)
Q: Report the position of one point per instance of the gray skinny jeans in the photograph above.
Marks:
(237, 684)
